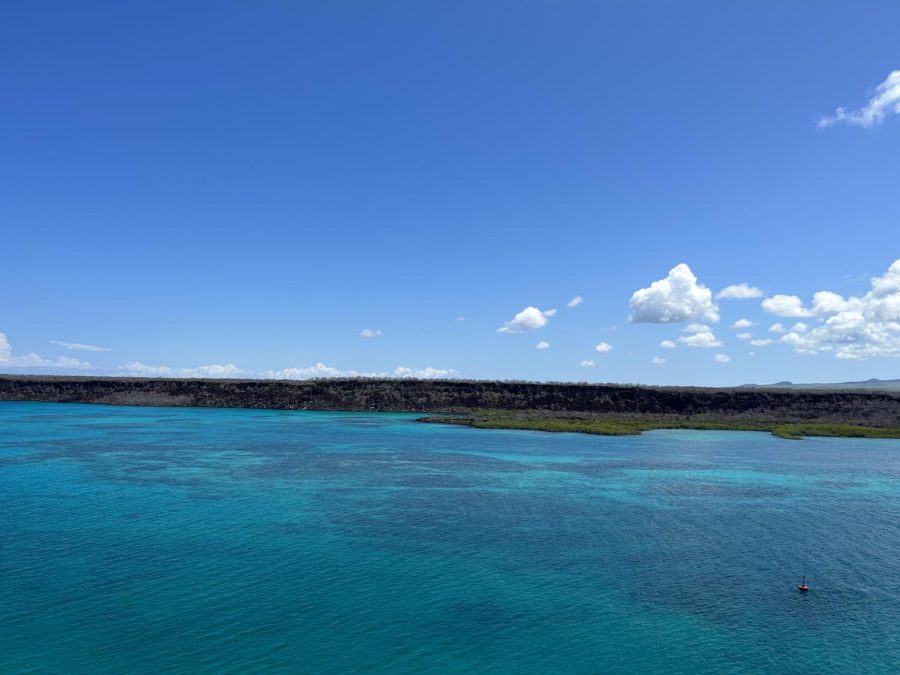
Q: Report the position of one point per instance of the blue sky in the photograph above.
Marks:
(192, 185)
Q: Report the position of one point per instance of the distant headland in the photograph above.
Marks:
(589, 408)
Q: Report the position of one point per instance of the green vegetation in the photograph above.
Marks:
(607, 426)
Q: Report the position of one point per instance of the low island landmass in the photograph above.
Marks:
(560, 407)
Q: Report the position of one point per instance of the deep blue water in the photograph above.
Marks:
(149, 539)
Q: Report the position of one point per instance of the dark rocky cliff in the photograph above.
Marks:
(871, 408)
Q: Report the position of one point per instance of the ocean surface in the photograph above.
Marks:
(197, 540)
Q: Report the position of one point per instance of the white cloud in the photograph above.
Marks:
(761, 342)
(370, 333)
(460, 318)
(739, 292)
(701, 336)
(32, 360)
(676, 298)
(657, 360)
(785, 305)
(320, 370)
(826, 302)
(855, 328)
(574, 302)
(721, 358)
(603, 347)
(139, 369)
(428, 373)
(799, 327)
(744, 336)
(78, 346)
(543, 344)
(530, 318)
(886, 101)
(667, 344)
(776, 328)
(701, 340)
(69, 362)
(743, 323)
(310, 372)
(587, 363)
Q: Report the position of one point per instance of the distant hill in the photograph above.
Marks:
(753, 405)
(873, 384)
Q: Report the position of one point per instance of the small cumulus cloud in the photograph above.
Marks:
(603, 347)
(667, 344)
(574, 302)
(657, 360)
(530, 318)
(679, 297)
(777, 328)
(743, 323)
(739, 292)
(587, 363)
(721, 358)
(763, 342)
(744, 336)
(700, 336)
(460, 319)
(369, 333)
(884, 102)
(78, 346)
(543, 344)
(785, 305)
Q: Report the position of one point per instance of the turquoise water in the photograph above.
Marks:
(149, 539)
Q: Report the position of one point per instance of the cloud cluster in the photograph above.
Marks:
(320, 370)
(854, 328)
(603, 347)
(427, 373)
(32, 360)
(678, 297)
(885, 101)
(530, 318)
(139, 369)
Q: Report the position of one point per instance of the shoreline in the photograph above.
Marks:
(554, 407)
(793, 431)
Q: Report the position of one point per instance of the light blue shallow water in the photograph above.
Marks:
(148, 539)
